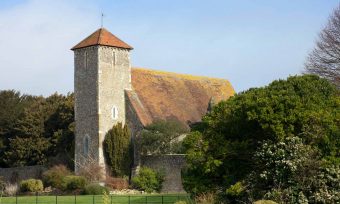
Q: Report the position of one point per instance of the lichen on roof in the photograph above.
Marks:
(167, 95)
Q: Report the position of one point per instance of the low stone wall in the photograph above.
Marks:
(17, 174)
(171, 165)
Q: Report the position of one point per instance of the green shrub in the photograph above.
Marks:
(95, 189)
(31, 185)
(2, 184)
(54, 176)
(73, 182)
(162, 137)
(118, 150)
(148, 180)
(181, 202)
(235, 190)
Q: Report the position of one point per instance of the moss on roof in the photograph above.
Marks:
(166, 95)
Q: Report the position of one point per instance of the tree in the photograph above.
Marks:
(28, 146)
(324, 60)
(12, 105)
(46, 124)
(222, 153)
(118, 150)
(162, 137)
(59, 128)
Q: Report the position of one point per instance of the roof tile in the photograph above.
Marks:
(102, 37)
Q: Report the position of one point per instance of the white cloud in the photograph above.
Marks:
(35, 42)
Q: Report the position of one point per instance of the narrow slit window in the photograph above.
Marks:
(113, 58)
(86, 145)
(85, 60)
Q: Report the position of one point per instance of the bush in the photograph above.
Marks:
(162, 137)
(235, 190)
(31, 185)
(54, 176)
(2, 184)
(118, 150)
(148, 180)
(91, 170)
(73, 182)
(205, 198)
(95, 189)
(117, 183)
(11, 189)
(181, 202)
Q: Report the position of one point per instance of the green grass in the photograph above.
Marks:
(97, 199)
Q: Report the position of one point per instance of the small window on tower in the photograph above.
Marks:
(114, 113)
(113, 58)
(85, 59)
(86, 145)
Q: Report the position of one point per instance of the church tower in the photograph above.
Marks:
(102, 72)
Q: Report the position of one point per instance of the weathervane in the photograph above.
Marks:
(102, 17)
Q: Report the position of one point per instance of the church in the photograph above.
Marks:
(108, 90)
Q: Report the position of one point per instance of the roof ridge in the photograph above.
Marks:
(186, 76)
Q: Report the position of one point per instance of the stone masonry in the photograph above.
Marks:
(102, 74)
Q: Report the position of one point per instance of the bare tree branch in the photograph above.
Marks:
(324, 60)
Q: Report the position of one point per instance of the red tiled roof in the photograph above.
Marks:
(165, 95)
(102, 37)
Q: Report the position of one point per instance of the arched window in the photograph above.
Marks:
(86, 145)
(114, 113)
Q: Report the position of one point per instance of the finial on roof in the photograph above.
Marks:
(102, 20)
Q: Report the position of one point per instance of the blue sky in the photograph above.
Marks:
(249, 42)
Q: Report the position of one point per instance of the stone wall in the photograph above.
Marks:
(114, 77)
(86, 106)
(17, 174)
(101, 76)
(171, 165)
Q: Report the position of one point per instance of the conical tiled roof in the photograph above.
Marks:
(102, 37)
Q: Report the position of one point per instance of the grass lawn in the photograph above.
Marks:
(89, 199)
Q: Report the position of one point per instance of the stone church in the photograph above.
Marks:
(108, 90)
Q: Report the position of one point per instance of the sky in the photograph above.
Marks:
(248, 42)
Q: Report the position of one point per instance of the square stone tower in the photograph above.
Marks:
(102, 72)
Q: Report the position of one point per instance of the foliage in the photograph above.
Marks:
(324, 59)
(29, 146)
(235, 190)
(35, 130)
(73, 183)
(12, 105)
(162, 137)
(91, 170)
(281, 132)
(118, 150)
(117, 183)
(148, 180)
(106, 198)
(181, 202)
(11, 189)
(95, 189)
(2, 184)
(205, 198)
(53, 177)
(31, 185)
